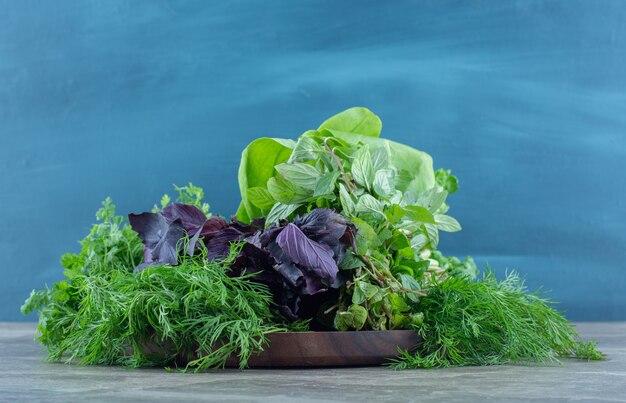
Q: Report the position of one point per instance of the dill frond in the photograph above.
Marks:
(194, 309)
(491, 322)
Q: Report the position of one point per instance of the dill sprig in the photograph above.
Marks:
(149, 318)
(490, 322)
(103, 313)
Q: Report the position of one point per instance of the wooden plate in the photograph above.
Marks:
(317, 349)
(332, 349)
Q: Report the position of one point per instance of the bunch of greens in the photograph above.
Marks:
(397, 277)
(104, 313)
(389, 191)
(489, 323)
(338, 229)
(296, 260)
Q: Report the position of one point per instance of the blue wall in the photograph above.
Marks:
(524, 100)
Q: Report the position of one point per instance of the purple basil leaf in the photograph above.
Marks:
(307, 253)
(255, 239)
(322, 223)
(269, 235)
(160, 239)
(313, 284)
(219, 245)
(151, 227)
(248, 229)
(327, 227)
(209, 229)
(277, 253)
(289, 309)
(147, 255)
(290, 272)
(254, 260)
(212, 226)
(191, 217)
(166, 251)
(193, 241)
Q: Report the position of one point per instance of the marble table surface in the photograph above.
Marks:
(26, 376)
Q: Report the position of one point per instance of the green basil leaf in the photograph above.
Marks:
(343, 320)
(350, 261)
(398, 304)
(447, 223)
(385, 234)
(300, 174)
(279, 212)
(362, 168)
(357, 296)
(417, 319)
(345, 198)
(363, 291)
(384, 182)
(432, 199)
(402, 269)
(395, 213)
(414, 168)
(418, 242)
(446, 180)
(366, 237)
(410, 283)
(287, 192)
(359, 316)
(399, 240)
(420, 214)
(380, 157)
(369, 204)
(418, 267)
(308, 147)
(326, 183)
(406, 253)
(433, 235)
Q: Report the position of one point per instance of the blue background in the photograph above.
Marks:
(524, 100)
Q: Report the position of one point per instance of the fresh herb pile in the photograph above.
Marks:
(337, 230)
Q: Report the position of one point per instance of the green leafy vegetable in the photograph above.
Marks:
(208, 290)
(306, 252)
(302, 175)
(491, 322)
(344, 165)
(354, 120)
(261, 198)
(287, 192)
(363, 168)
(257, 166)
(120, 318)
(281, 211)
(446, 180)
(103, 313)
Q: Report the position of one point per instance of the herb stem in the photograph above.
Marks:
(339, 164)
(326, 312)
(372, 270)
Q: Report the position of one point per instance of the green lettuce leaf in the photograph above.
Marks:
(354, 120)
(257, 166)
